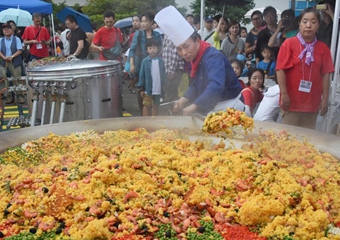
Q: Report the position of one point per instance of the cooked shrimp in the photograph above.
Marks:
(46, 226)
(129, 195)
(214, 192)
(219, 217)
(241, 186)
(95, 210)
(30, 214)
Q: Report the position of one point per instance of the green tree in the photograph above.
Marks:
(122, 9)
(230, 12)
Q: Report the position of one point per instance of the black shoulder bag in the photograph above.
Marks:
(207, 37)
(115, 52)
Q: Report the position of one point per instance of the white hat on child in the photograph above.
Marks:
(174, 25)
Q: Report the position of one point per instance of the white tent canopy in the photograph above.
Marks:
(261, 9)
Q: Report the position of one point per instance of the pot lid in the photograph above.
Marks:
(73, 65)
(68, 71)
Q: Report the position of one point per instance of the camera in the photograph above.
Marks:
(321, 6)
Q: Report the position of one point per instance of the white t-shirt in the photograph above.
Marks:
(205, 34)
(269, 107)
(156, 77)
(66, 44)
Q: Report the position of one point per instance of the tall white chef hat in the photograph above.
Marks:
(174, 25)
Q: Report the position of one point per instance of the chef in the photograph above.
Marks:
(214, 84)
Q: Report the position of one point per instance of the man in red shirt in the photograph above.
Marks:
(37, 37)
(107, 36)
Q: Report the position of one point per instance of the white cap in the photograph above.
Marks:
(174, 25)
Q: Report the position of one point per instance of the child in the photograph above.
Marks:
(151, 78)
(126, 73)
(58, 43)
(268, 64)
(238, 67)
(247, 68)
(252, 94)
(243, 34)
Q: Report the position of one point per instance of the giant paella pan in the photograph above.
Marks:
(162, 178)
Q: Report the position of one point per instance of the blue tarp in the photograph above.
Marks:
(31, 6)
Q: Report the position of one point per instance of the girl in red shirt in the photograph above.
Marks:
(252, 94)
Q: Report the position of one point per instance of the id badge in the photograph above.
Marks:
(39, 46)
(305, 86)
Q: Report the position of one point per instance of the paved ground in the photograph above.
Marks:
(130, 103)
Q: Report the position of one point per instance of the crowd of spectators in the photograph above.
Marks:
(293, 52)
(261, 56)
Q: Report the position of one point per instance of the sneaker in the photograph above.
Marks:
(131, 90)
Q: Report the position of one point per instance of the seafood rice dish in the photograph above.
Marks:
(162, 185)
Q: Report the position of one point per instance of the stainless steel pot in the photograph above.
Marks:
(75, 90)
(324, 142)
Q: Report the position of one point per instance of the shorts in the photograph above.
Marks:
(151, 100)
(300, 119)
